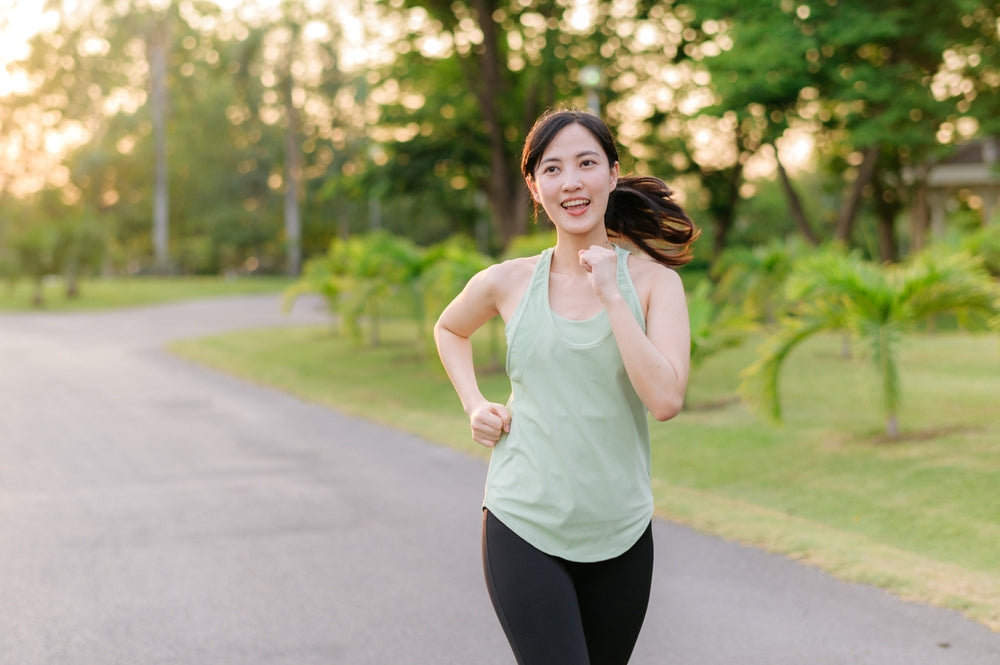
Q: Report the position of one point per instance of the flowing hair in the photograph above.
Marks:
(641, 209)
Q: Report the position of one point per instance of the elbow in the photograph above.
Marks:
(667, 408)
(439, 330)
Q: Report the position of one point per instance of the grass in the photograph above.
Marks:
(110, 293)
(919, 516)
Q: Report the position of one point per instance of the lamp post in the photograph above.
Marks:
(590, 78)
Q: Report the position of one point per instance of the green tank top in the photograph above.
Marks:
(572, 477)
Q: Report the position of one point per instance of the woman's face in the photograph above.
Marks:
(573, 179)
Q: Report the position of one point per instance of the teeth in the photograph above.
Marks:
(575, 202)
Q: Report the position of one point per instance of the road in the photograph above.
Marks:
(153, 511)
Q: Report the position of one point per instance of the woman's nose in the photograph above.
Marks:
(571, 180)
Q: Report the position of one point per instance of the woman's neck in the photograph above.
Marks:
(566, 256)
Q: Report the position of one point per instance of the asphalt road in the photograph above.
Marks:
(154, 511)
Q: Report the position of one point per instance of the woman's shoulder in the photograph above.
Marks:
(648, 273)
(656, 285)
(508, 281)
(510, 270)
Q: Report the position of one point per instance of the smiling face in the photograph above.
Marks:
(572, 180)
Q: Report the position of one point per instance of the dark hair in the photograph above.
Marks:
(641, 209)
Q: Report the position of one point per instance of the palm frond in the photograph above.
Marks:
(936, 283)
(760, 381)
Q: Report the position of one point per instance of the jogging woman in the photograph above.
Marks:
(597, 335)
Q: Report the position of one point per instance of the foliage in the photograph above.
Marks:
(529, 245)
(267, 110)
(985, 244)
(713, 328)
(35, 252)
(79, 250)
(875, 304)
(67, 243)
(851, 74)
(450, 265)
(750, 280)
(225, 131)
(357, 275)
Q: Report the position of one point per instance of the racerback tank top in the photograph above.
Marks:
(572, 477)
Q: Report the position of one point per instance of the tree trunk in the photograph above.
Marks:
(723, 225)
(849, 212)
(38, 292)
(795, 208)
(293, 168)
(921, 217)
(892, 427)
(72, 276)
(157, 54)
(507, 195)
(293, 215)
(724, 188)
(888, 248)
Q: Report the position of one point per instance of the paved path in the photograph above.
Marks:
(153, 511)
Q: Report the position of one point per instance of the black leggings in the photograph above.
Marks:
(559, 612)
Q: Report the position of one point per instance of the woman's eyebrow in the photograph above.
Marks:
(585, 153)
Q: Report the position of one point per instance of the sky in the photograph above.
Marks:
(20, 20)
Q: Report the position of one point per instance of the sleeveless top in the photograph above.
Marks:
(572, 477)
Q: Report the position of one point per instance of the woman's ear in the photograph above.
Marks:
(533, 189)
(614, 176)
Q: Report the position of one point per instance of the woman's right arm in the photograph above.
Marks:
(469, 311)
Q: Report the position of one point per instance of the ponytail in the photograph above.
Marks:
(642, 210)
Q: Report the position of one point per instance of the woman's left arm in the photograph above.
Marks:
(658, 360)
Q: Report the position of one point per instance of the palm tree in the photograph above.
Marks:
(750, 279)
(450, 265)
(875, 304)
(379, 265)
(713, 328)
(358, 275)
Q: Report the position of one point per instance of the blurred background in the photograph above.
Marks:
(840, 156)
(242, 137)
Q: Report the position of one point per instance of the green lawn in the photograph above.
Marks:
(920, 516)
(132, 291)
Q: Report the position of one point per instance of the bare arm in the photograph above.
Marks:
(468, 312)
(658, 360)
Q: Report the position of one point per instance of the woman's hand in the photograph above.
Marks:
(489, 421)
(602, 264)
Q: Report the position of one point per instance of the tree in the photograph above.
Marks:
(856, 74)
(750, 279)
(157, 49)
(79, 249)
(99, 52)
(359, 274)
(876, 304)
(482, 71)
(713, 327)
(294, 53)
(35, 249)
(214, 165)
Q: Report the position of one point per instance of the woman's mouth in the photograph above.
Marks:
(575, 206)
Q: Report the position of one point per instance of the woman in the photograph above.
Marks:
(596, 338)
